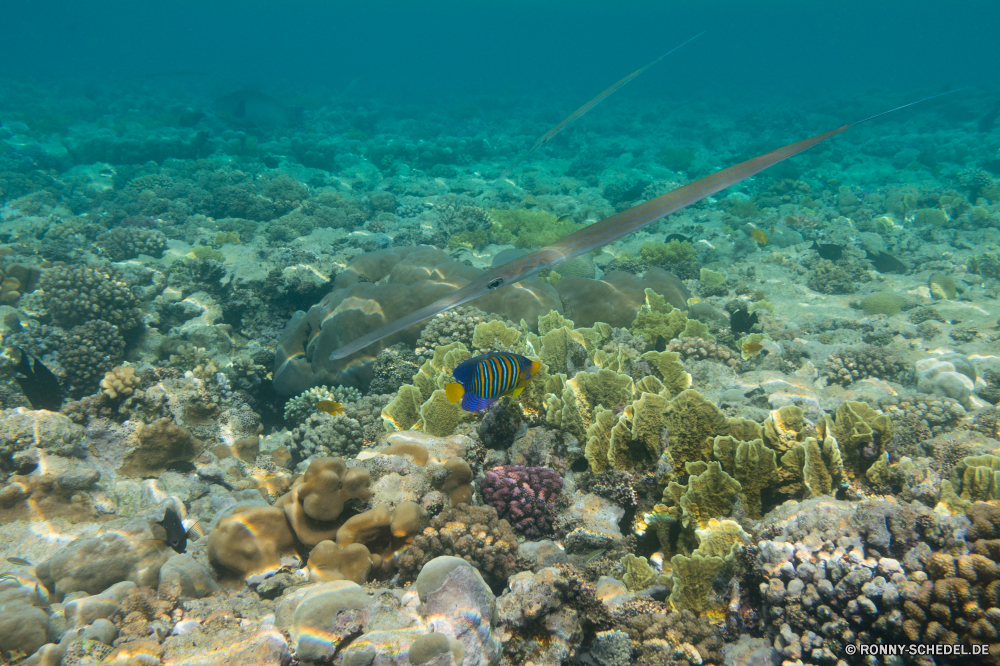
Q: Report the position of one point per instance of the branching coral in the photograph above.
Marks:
(524, 496)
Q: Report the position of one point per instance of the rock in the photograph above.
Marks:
(947, 376)
(597, 523)
(24, 620)
(225, 644)
(611, 591)
(53, 432)
(545, 553)
(87, 610)
(79, 479)
(193, 577)
(311, 611)
(457, 602)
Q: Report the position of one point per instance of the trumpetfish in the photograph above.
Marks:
(548, 136)
(604, 232)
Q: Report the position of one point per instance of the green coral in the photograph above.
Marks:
(552, 321)
(693, 423)
(424, 404)
(598, 440)
(404, 410)
(784, 427)
(883, 302)
(668, 367)
(819, 467)
(605, 387)
(439, 416)
(711, 278)
(203, 252)
(530, 228)
(980, 478)
(751, 339)
(658, 318)
(710, 493)
(638, 574)
(636, 438)
(694, 582)
(752, 464)
(931, 217)
(663, 254)
(495, 335)
(475, 239)
(856, 426)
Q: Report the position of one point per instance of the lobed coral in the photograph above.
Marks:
(325, 435)
(524, 496)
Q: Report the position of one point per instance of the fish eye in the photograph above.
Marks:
(495, 282)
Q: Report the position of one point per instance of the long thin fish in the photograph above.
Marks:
(545, 138)
(601, 233)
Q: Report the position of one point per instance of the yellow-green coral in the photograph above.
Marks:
(981, 478)
(663, 254)
(668, 366)
(604, 387)
(752, 464)
(598, 440)
(203, 252)
(856, 426)
(638, 574)
(439, 416)
(552, 321)
(404, 411)
(692, 423)
(636, 438)
(710, 493)
(883, 302)
(819, 467)
(530, 228)
(694, 582)
(658, 318)
(783, 429)
(423, 404)
(711, 278)
(495, 335)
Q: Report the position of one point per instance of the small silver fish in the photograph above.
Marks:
(595, 555)
(20, 561)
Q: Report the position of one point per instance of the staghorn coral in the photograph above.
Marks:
(524, 496)
(853, 364)
(76, 295)
(474, 533)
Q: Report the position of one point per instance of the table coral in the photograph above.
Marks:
(524, 496)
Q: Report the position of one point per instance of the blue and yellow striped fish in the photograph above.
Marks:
(486, 378)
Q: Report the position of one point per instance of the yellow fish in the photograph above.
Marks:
(331, 407)
(752, 347)
(759, 236)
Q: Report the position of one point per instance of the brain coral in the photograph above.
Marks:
(378, 288)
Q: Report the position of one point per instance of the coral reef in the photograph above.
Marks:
(524, 496)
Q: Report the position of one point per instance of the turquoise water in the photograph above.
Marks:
(756, 426)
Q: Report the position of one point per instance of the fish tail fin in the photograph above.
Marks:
(517, 391)
(454, 392)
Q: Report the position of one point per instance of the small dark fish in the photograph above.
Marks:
(20, 561)
(486, 378)
(37, 382)
(176, 534)
(562, 218)
(986, 122)
(677, 237)
(271, 162)
(828, 251)
(661, 343)
(885, 262)
(741, 322)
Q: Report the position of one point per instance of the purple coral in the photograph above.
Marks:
(524, 496)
